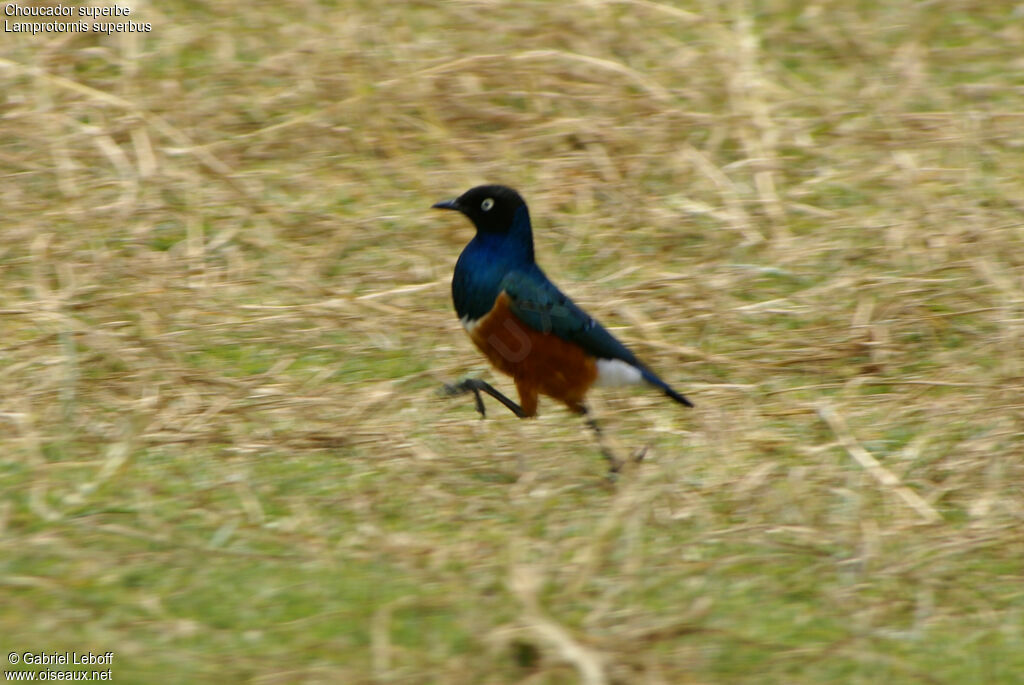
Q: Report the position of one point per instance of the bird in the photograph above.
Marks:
(526, 327)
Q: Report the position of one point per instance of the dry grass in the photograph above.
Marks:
(225, 315)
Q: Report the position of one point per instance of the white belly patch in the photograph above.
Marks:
(617, 372)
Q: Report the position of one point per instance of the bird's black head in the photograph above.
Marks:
(490, 208)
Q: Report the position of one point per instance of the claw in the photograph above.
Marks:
(476, 386)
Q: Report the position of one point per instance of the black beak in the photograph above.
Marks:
(446, 204)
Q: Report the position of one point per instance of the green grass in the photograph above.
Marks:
(225, 315)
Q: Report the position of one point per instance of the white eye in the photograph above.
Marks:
(487, 204)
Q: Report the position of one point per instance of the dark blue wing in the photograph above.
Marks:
(545, 308)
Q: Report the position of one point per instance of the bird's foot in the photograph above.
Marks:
(461, 388)
(476, 386)
(615, 464)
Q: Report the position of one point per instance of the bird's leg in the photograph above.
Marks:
(476, 386)
(614, 463)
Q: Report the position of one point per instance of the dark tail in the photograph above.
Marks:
(664, 387)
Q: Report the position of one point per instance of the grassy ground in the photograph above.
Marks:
(225, 316)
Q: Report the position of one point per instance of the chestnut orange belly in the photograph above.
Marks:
(538, 362)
